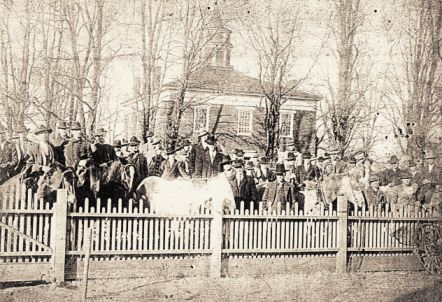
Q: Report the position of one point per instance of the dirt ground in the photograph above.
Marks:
(393, 286)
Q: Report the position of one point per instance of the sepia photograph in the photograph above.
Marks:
(220, 150)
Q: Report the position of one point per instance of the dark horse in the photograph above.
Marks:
(114, 181)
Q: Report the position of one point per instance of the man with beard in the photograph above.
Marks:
(102, 153)
(59, 139)
(138, 160)
(279, 191)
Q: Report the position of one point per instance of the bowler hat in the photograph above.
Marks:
(100, 132)
(134, 141)
(237, 163)
(290, 156)
(118, 144)
(203, 132)
(263, 160)
(280, 169)
(306, 155)
(75, 126)
(249, 165)
(62, 125)
(320, 159)
(41, 129)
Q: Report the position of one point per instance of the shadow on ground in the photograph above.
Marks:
(427, 294)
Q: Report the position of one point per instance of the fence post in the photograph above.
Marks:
(216, 239)
(59, 229)
(341, 257)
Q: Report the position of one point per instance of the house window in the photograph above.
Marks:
(244, 122)
(286, 125)
(201, 119)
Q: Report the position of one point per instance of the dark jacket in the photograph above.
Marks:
(244, 191)
(8, 161)
(279, 192)
(76, 150)
(35, 157)
(59, 144)
(140, 164)
(313, 173)
(389, 176)
(373, 197)
(434, 176)
(211, 168)
(156, 167)
(104, 153)
(197, 160)
(266, 175)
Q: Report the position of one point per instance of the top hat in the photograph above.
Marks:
(62, 125)
(237, 163)
(100, 132)
(280, 169)
(290, 156)
(249, 165)
(429, 155)
(149, 134)
(263, 160)
(202, 133)
(306, 155)
(118, 144)
(75, 126)
(226, 160)
(210, 140)
(134, 141)
(41, 129)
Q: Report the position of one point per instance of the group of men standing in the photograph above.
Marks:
(252, 179)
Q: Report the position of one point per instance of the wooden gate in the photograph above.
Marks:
(25, 235)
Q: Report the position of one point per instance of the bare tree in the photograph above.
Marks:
(415, 104)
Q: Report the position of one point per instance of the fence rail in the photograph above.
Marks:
(36, 231)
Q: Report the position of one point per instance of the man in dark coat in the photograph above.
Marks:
(431, 178)
(172, 167)
(263, 172)
(8, 158)
(155, 166)
(138, 160)
(336, 164)
(197, 158)
(243, 186)
(212, 160)
(279, 191)
(59, 139)
(373, 195)
(390, 178)
(77, 148)
(102, 153)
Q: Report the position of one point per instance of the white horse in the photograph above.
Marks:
(181, 197)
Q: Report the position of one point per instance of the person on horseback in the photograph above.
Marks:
(19, 137)
(155, 166)
(59, 139)
(243, 186)
(77, 147)
(338, 166)
(390, 178)
(263, 172)
(118, 148)
(8, 158)
(138, 160)
(103, 154)
(373, 195)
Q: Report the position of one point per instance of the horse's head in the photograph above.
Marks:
(83, 167)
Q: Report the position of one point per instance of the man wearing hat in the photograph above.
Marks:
(39, 154)
(197, 158)
(137, 159)
(336, 164)
(155, 164)
(431, 177)
(59, 139)
(212, 159)
(77, 148)
(263, 172)
(390, 178)
(279, 191)
(171, 166)
(102, 153)
(406, 191)
(243, 186)
(8, 158)
(373, 195)
(147, 146)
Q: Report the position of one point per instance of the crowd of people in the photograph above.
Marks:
(252, 178)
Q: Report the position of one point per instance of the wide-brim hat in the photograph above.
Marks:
(41, 129)
(412, 164)
(306, 155)
(156, 140)
(134, 141)
(429, 155)
(320, 159)
(405, 175)
(21, 129)
(351, 160)
(237, 163)
(62, 125)
(333, 152)
(100, 132)
(249, 166)
(118, 144)
(239, 152)
(75, 126)
(171, 151)
(373, 177)
(202, 132)
(280, 169)
(210, 140)
(291, 156)
(149, 134)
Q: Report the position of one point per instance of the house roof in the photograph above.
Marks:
(228, 80)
